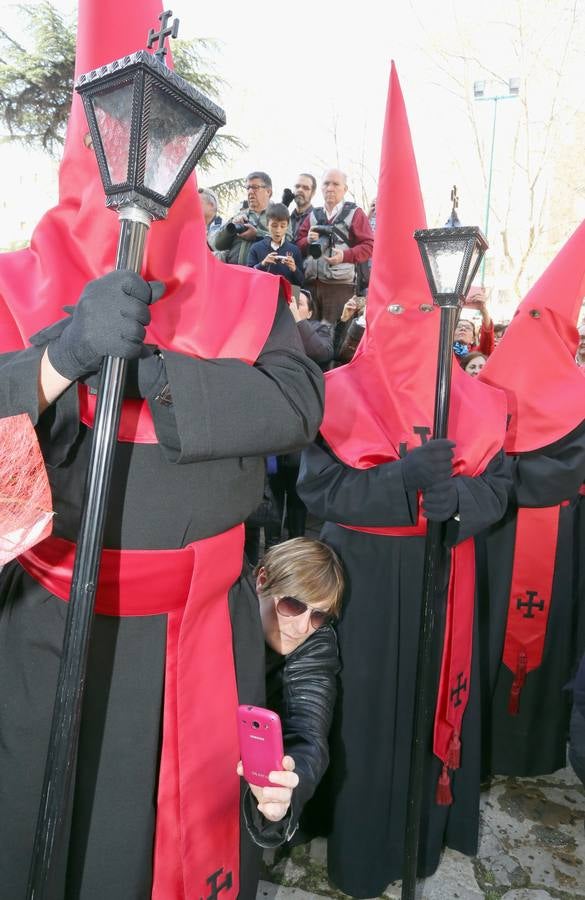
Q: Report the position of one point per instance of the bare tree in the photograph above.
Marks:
(533, 200)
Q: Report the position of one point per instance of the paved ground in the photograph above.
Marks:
(532, 848)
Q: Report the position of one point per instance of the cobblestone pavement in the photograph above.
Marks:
(532, 847)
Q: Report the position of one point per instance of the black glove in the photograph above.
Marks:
(109, 319)
(440, 501)
(427, 464)
(287, 196)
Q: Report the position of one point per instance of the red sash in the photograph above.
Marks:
(197, 823)
(455, 678)
(530, 594)
(136, 424)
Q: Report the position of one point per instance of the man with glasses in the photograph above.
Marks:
(251, 222)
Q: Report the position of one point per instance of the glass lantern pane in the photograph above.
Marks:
(113, 113)
(174, 131)
(445, 258)
(471, 272)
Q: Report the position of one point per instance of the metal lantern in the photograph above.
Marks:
(149, 127)
(451, 257)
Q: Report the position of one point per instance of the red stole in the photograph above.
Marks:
(197, 822)
(530, 595)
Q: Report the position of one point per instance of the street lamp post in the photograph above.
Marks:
(484, 91)
(149, 128)
(451, 257)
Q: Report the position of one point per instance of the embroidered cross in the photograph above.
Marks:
(530, 604)
(460, 688)
(215, 887)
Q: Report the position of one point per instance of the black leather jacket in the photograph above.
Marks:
(301, 687)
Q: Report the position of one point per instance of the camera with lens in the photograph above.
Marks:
(226, 236)
(327, 231)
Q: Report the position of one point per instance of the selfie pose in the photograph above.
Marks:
(287, 660)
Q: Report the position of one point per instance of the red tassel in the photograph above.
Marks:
(454, 752)
(443, 796)
(517, 684)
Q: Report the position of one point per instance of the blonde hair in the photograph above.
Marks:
(304, 568)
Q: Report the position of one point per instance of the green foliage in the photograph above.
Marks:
(36, 82)
(228, 192)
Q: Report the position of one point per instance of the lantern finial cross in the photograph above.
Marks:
(454, 198)
(172, 31)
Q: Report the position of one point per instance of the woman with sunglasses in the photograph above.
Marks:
(299, 584)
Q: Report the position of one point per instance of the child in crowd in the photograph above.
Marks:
(276, 254)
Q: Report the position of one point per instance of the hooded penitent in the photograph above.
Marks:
(546, 401)
(381, 404)
(209, 310)
(76, 241)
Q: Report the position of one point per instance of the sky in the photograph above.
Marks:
(306, 88)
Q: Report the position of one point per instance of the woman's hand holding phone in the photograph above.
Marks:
(273, 802)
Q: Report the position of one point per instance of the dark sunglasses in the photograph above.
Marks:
(290, 606)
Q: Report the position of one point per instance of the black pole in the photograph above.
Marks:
(425, 687)
(51, 830)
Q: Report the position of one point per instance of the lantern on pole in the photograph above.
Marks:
(149, 128)
(451, 258)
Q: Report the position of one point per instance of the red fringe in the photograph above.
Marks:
(517, 684)
(443, 796)
(454, 752)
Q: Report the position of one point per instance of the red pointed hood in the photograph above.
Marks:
(534, 363)
(374, 404)
(76, 241)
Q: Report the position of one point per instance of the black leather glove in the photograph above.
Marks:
(428, 464)
(440, 501)
(109, 319)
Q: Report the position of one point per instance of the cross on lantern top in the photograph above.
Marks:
(161, 50)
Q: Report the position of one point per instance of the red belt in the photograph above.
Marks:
(136, 424)
(455, 678)
(197, 822)
(129, 582)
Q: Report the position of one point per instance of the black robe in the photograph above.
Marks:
(534, 742)
(205, 476)
(362, 804)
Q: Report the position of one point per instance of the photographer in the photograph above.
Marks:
(334, 239)
(235, 239)
(465, 338)
(275, 254)
(303, 193)
(292, 604)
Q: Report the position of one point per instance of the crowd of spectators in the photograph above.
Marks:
(325, 252)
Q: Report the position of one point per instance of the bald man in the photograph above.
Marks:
(331, 257)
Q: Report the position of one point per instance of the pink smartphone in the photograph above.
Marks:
(261, 748)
